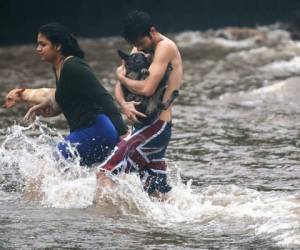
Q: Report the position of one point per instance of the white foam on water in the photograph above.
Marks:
(265, 213)
(189, 38)
(270, 35)
(283, 68)
(34, 162)
(62, 193)
(252, 56)
(243, 44)
(283, 94)
(192, 38)
(275, 35)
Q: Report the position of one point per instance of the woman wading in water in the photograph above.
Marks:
(94, 120)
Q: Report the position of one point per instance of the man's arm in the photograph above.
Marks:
(128, 108)
(119, 94)
(157, 69)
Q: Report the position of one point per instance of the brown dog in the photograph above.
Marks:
(30, 97)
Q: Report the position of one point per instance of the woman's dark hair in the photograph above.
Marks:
(136, 25)
(58, 34)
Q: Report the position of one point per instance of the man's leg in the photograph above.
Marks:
(154, 175)
(144, 149)
(128, 155)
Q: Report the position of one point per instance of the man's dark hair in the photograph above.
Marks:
(59, 34)
(136, 25)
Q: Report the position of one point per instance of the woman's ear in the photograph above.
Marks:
(58, 47)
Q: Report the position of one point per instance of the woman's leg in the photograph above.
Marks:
(93, 143)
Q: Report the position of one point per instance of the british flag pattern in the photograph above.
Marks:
(142, 152)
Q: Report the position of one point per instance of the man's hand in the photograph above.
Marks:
(130, 111)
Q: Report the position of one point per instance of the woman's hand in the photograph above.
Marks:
(45, 109)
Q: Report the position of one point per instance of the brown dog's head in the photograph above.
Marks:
(13, 97)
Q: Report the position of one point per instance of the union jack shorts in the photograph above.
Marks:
(143, 152)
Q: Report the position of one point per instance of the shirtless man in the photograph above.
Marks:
(144, 149)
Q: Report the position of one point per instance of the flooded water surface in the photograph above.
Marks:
(233, 159)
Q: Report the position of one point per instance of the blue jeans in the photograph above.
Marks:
(93, 143)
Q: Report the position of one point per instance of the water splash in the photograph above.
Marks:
(32, 162)
(30, 158)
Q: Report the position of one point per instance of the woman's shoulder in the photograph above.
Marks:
(74, 60)
(74, 63)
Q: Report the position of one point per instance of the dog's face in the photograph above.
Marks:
(137, 65)
(13, 97)
(136, 62)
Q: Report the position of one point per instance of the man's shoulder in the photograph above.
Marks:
(167, 43)
(167, 47)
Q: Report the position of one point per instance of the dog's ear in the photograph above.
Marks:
(20, 91)
(123, 55)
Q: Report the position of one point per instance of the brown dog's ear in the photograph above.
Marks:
(20, 91)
